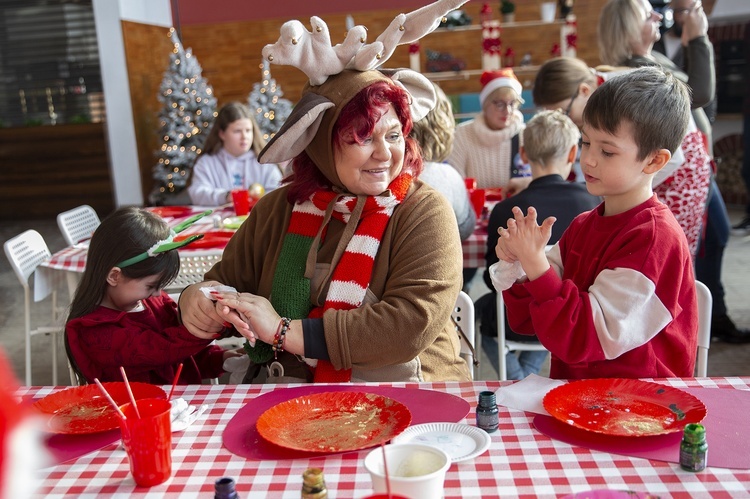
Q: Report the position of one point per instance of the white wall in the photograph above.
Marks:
(730, 11)
(122, 147)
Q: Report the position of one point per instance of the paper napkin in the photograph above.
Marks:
(527, 394)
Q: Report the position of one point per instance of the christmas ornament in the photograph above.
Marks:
(256, 191)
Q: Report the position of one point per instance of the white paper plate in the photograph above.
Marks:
(460, 441)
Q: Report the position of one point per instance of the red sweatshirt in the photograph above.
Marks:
(149, 343)
(619, 299)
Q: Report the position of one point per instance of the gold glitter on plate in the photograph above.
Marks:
(334, 421)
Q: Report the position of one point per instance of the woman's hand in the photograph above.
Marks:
(253, 316)
(695, 24)
(198, 313)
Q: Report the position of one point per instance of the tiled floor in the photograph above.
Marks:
(724, 359)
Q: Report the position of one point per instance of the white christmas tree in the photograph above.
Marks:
(271, 111)
(185, 120)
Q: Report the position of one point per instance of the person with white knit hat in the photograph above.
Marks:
(486, 148)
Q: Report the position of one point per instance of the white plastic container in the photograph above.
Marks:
(416, 471)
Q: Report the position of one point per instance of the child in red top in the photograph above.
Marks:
(616, 296)
(121, 317)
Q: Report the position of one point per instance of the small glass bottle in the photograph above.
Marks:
(693, 448)
(313, 484)
(224, 489)
(487, 412)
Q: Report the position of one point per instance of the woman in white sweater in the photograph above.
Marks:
(486, 148)
(229, 159)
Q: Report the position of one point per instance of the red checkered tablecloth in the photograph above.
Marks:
(474, 247)
(521, 461)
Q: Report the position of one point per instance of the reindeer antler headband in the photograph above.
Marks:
(337, 73)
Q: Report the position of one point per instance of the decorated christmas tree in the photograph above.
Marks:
(265, 100)
(185, 120)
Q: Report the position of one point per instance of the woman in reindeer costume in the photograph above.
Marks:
(350, 271)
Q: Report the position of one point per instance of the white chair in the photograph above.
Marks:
(193, 265)
(78, 224)
(463, 316)
(705, 302)
(25, 252)
(504, 346)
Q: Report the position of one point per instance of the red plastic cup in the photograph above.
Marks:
(148, 441)
(241, 201)
(477, 200)
(471, 183)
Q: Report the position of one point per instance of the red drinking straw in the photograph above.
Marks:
(174, 383)
(110, 399)
(130, 392)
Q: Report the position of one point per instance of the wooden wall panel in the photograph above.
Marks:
(231, 52)
(58, 167)
(147, 51)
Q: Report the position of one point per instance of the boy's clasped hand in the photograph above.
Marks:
(525, 241)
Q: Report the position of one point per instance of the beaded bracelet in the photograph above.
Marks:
(278, 338)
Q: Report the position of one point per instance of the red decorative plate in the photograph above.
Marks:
(213, 239)
(83, 409)
(334, 421)
(623, 407)
(172, 211)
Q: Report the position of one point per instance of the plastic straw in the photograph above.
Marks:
(385, 469)
(110, 399)
(130, 392)
(174, 383)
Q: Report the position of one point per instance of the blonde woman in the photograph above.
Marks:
(434, 133)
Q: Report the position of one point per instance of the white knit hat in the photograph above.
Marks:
(498, 78)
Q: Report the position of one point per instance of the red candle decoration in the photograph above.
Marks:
(486, 12)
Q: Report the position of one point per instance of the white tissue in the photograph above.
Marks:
(505, 274)
(183, 415)
(206, 290)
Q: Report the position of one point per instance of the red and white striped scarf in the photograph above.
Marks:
(353, 273)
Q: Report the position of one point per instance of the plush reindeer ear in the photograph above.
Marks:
(298, 130)
(422, 91)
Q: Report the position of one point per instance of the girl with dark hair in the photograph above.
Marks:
(121, 317)
(229, 159)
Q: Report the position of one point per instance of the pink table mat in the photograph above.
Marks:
(727, 433)
(64, 448)
(241, 437)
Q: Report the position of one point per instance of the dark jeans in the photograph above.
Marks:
(711, 251)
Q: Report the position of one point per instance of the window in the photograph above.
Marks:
(49, 63)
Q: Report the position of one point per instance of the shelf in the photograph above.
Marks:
(519, 24)
(469, 73)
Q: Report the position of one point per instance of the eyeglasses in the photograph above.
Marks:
(572, 100)
(502, 104)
